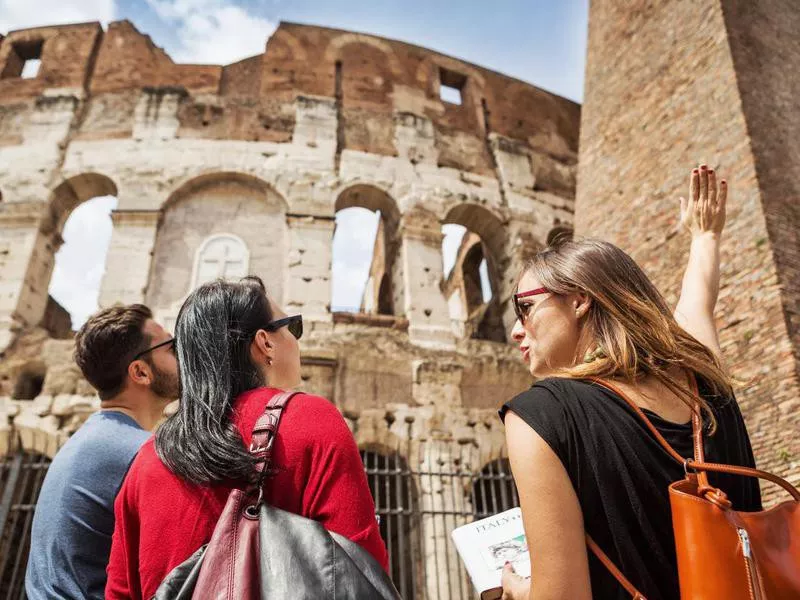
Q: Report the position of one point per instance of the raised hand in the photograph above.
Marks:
(704, 211)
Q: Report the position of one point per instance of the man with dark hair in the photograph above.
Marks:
(130, 360)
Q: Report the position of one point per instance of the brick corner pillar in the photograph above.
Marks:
(669, 86)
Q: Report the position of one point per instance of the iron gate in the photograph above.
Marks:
(21, 476)
(420, 498)
(418, 503)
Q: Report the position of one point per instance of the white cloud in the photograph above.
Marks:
(22, 14)
(213, 31)
(81, 261)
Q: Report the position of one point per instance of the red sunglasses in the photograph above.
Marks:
(522, 310)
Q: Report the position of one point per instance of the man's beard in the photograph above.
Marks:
(164, 385)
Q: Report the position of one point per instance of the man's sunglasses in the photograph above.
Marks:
(156, 347)
(522, 310)
(294, 323)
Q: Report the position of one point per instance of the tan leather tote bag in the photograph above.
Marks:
(723, 553)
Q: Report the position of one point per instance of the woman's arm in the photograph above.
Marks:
(703, 214)
(552, 518)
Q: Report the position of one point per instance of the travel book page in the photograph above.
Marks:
(486, 545)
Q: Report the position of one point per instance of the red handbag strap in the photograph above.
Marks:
(264, 432)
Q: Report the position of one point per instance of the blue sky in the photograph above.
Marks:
(542, 42)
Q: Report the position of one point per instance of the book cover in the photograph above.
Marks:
(486, 545)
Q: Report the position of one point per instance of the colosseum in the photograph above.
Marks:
(227, 170)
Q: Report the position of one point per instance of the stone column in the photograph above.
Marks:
(308, 277)
(129, 256)
(27, 256)
(419, 269)
(442, 499)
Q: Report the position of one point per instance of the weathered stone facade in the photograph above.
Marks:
(241, 168)
(669, 85)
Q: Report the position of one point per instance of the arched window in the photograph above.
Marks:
(471, 255)
(396, 508)
(220, 256)
(364, 248)
(493, 489)
(80, 263)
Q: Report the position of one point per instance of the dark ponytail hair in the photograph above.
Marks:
(213, 333)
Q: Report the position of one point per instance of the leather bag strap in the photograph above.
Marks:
(698, 464)
(697, 432)
(264, 432)
(612, 568)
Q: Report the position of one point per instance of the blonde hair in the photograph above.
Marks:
(629, 319)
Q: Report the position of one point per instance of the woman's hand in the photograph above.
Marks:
(514, 586)
(704, 211)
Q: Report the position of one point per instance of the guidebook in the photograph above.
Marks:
(486, 545)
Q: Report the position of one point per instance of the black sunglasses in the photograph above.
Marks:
(156, 347)
(294, 323)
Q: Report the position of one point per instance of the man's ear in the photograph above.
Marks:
(140, 373)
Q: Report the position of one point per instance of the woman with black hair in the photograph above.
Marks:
(236, 350)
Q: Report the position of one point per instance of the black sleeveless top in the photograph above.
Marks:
(621, 474)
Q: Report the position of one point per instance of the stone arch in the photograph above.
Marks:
(371, 197)
(484, 240)
(210, 207)
(71, 192)
(379, 294)
(32, 302)
(334, 49)
(193, 183)
(480, 220)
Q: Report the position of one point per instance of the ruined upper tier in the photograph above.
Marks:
(375, 79)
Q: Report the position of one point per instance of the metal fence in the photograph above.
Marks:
(21, 476)
(420, 496)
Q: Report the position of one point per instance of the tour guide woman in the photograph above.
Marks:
(236, 349)
(582, 460)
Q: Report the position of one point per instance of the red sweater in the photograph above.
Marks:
(161, 520)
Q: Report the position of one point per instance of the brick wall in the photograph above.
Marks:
(668, 87)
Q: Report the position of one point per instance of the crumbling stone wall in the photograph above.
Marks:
(709, 84)
(257, 157)
(227, 170)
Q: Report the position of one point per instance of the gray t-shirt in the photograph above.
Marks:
(74, 518)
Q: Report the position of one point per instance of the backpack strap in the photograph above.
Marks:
(612, 568)
(264, 432)
(698, 467)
